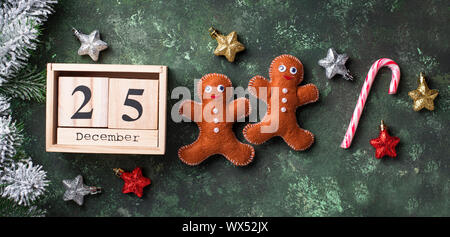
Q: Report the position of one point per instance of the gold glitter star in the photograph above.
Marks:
(423, 97)
(228, 45)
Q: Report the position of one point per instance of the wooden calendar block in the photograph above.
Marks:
(138, 91)
(83, 102)
(107, 137)
(133, 104)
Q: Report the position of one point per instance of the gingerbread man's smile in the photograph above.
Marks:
(288, 77)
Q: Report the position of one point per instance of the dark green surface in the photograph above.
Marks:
(322, 181)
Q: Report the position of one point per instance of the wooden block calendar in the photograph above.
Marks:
(98, 108)
(129, 116)
(82, 93)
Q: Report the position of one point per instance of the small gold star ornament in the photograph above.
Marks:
(423, 96)
(228, 46)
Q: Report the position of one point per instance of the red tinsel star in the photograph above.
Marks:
(384, 144)
(134, 181)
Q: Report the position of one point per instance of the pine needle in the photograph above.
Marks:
(29, 84)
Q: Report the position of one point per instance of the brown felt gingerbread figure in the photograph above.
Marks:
(215, 116)
(282, 97)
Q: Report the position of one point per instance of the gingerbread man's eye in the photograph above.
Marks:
(208, 89)
(293, 70)
(220, 88)
(282, 68)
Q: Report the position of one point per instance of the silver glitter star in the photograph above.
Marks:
(90, 44)
(335, 64)
(76, 190)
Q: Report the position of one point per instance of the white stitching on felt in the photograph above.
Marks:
(253, 92)
(292, 146)
(248, 126)
(313, 138)
(313, 100)
(200, 89)
(189, 145)
(250, 159)
(268, 104)
(283, 56)
(244, 132)
(200, 131)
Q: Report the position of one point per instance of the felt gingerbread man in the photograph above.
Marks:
(215, 116)
(282, 97)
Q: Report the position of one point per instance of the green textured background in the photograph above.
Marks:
(322, 181)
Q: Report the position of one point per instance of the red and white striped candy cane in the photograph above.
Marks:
(365, 92)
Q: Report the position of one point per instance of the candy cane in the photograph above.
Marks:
(365, 92)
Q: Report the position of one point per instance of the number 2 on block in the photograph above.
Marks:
(83, 102)
(87, 96)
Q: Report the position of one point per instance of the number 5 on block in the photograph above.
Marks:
(83, 102)
(133, 103)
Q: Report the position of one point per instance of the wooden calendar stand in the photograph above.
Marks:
(98, 108)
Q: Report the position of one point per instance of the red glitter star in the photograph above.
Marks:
(384, 144)
(134, 181)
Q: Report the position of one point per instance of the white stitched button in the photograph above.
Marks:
(216, 130)
(284, 100)
(215, 110)
(284, 90)
(283, 109)
(216, 120)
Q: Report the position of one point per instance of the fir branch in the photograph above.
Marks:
(8, 208)
(19, 23)
(10, 139)
(25, 182)
(29, 84)
(20, 180)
